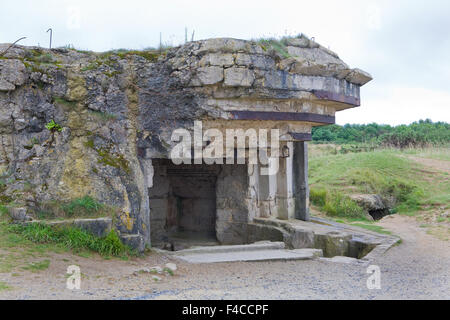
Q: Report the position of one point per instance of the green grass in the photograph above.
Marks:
(37, 266)
(64, 102)
(385, 172)
(336, 204)
(79, 207)
(4, 286)
(274, 44)
(431, 153)
(85, 204)
(104, 116)
(372, 227)
(72, 238)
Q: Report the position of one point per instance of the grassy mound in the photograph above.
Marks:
(389, 173)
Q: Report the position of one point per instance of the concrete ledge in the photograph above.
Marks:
(249, 255)
(263, 245)
(99, 227)
(335, 239)
(134, 241)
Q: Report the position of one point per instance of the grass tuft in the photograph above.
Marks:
(73, 238)
(82, 206)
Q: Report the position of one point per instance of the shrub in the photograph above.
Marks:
(53, 126)
(318, 197)
(336, 204)
(339, 205)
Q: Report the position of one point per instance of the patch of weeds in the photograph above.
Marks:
(4, 286)
(113, 160)
(318, 197)
(372, 227)
(274, 44)
(53, 126)
(107, 157)
(169, 271)
(4, 211)
(105, 116)
(150, 55)
(82, 206)
(84, 254)
(336, 204)
(37, 266)
(64, 102)
(72, 238)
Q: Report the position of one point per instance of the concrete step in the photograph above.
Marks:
(262, 245)
(256, 255)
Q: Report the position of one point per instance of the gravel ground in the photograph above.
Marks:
(418, 268)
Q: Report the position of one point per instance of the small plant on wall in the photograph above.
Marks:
(53, 126)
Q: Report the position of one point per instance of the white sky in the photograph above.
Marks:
(405, 45)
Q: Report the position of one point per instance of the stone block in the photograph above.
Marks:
(210, 75)
(98, 227)
(134, 241)
(239, 77)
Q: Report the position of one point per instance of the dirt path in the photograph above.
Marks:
(439, 165)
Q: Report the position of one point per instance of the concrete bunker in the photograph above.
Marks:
(115, 140)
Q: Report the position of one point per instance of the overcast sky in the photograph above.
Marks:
(405, 45)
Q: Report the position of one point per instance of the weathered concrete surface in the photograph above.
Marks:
(262, 245)
(376, 206)
(335, 239)
(248, 253)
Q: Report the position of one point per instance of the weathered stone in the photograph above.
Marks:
(99, 227)
(12, 74)
(156, 278)
(301, 238)
(239, 77)
(134, 241)
(374, 204)
(359, 77)
(171, 266)
(255, 61)
(217, 59)
(210, 75)
(19, 214)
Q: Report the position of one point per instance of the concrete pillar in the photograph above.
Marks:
(253, 191)
(301, 187)
(267, 194)
(285, 184)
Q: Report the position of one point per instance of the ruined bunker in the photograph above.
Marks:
(114, 115)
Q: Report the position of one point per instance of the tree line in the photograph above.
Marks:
(417, 134)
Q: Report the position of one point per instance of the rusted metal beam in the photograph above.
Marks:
(332, 96)
(301, 136)
(282, 116)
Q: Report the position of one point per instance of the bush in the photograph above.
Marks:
(339, 205)
(336, 204)
(318, 197)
